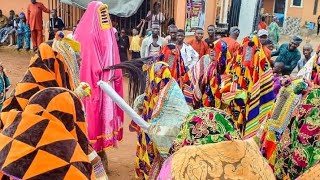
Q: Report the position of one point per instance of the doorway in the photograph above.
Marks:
(280, 6)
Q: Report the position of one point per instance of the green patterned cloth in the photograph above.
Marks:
(205, 126)
(299, 149)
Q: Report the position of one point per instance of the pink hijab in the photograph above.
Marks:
(99, 50)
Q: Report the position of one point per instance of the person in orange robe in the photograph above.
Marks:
(200, 46)
(263, 24)
(34, 20)
(231, 41)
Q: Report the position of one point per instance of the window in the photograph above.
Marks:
(297, 3)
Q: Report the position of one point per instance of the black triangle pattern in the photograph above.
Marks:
(39, 64)
(82, 139)
(49, 63)
(19, 167)
(63, 74)
(9, 131)
(27, 94)
(79, 111)
(85, 168)
(14, 104)
(44, 101)
(65, 118)
(4, 153)
(33, 135)
(28, 78)
(55, 174)
(63, 149)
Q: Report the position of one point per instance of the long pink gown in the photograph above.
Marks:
(99, 50)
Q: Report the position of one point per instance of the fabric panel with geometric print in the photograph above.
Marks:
(48, 140)
(47, 69)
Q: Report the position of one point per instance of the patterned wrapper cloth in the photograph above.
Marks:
(205, 126)
(47, 69)
(224, 160)
(272, 130)
(49, 136)
(158, 77)
(299, 148)
(178, 70)
(249, 94)
(168, 115)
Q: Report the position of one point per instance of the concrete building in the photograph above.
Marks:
(296, 13)
(175, 8)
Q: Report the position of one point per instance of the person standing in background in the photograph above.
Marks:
(123, 44)
(152, 45)
(274, 31)
(289, 54)
(233, 45)
(55, 24)
(188, 54)
(6, 30)
(171, 28)
(23, 32)
(136, 40)
(155, 16)
(3, 24)
(263, 24)
(212, 35)
(35, 22)
(198, 44)
(307, 54)
(3, 20)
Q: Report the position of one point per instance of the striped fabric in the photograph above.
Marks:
(250, 91)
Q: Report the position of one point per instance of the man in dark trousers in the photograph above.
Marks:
(123, 44)
(55, 24)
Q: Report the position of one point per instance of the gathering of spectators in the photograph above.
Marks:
(20, 30)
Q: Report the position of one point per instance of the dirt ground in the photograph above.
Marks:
(121, 159)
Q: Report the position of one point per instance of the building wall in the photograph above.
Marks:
(268, 6)
(305, 12)
(180, 11)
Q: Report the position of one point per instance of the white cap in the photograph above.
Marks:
(263, 32)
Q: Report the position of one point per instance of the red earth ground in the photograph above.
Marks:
(121, 159)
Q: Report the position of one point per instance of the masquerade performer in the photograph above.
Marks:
(299, 149)
(218, 126)
(214, 75)
(272, 129)
(249, 95)
(204, 143)
(158, 76)
(218, 161)
(46, 140)
(46, 69)
(99, 50)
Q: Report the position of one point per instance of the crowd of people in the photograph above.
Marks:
(21, 29)
(214, 108)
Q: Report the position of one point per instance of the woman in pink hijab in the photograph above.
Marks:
(99, 50)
